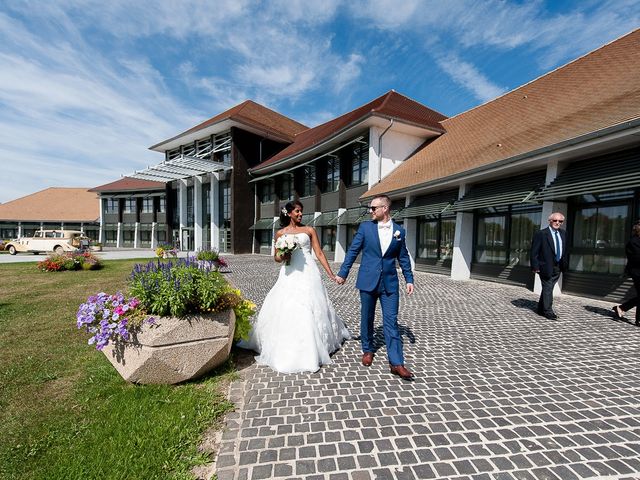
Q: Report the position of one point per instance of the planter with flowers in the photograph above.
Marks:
(178, 322)
(166, 251)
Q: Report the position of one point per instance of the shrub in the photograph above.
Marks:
(211, 256)
(176, 287)
(187, 286)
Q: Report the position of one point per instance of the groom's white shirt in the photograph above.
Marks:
(385, 233)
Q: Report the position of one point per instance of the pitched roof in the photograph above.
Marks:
(126, 184)
(596, 91)
(251, 114)
(54, 204)
(390, 105)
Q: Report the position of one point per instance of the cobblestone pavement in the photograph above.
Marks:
(500, 393)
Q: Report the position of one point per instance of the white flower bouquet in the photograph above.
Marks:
(285, 245)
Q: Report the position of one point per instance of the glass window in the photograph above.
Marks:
(428, 239)
(308, 181)
(111, 236)
(130, 205)
(491, 243)
(333, 174)
(147, 205)
(224, 220)
(599, 236)
(222, 148)
(360, 164)
(190, 217)
(110, 205)
(145, 237)
(267, 191)
(162, 204)
(286, 187)
(352, 229)
(328, 239)
(435, 238)
(523, 227)
(264, 238)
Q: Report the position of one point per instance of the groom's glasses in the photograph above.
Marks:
(373, 208)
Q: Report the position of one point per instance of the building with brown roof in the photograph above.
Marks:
(470, 190)
(568, 141)
(199, 195)
(330, 166)
(51, 208)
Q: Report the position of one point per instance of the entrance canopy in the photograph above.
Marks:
(180, 167)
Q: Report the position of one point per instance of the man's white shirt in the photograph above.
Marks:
(385, 232)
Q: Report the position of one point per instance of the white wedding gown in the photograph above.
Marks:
(297, 327)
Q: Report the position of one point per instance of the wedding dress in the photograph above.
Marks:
(297, 327)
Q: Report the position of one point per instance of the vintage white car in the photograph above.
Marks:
(58, 241)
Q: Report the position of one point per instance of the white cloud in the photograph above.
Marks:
(465, 74)
(70, 116)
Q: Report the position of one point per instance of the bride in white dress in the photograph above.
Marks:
(297, 327)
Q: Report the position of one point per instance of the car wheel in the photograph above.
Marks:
(58, 249)
(12, 250)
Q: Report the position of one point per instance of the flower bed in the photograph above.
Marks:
(70, 261)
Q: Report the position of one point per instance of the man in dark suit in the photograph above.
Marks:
(548, 259)
(382, 243)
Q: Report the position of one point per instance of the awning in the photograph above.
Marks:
(429, 205)
(499, 193)
(620, 171)
(180, 167)
(307, 218)
(133, 195)
(351, 216)
(324, 219)
(263, 224)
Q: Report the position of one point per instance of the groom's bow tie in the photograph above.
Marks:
(384, 226)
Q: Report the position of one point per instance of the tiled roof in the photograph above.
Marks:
(54, 204)
(127, 184)
(390, 105)
(254, 115)
(596, 91)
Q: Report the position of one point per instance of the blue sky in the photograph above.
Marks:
(86, 86)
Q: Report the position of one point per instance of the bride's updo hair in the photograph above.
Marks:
(286, 210)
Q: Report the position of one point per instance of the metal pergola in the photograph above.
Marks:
(178, 168)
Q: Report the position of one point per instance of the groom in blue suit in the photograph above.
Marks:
(381, 242)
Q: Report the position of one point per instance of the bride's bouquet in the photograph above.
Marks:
(286, 244)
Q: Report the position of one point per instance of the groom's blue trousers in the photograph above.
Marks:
(389, 303)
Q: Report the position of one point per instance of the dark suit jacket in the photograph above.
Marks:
(632, 250)
(543, 252)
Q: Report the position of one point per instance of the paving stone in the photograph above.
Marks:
(509, 397)
(282, 470)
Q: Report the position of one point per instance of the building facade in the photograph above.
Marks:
(55, 208)
(470, 190)
(199, 196)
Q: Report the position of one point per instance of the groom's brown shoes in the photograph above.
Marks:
(401, 372)
(367, 359)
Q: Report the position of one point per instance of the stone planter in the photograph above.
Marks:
(95, 248)
(176, 349)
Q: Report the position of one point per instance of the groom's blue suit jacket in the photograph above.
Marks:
(373, 265)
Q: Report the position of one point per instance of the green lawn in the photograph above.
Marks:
(65, 413)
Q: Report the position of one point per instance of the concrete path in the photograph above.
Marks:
(500, 393)
(106, 254)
